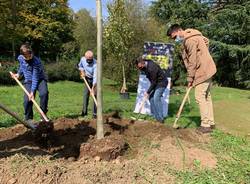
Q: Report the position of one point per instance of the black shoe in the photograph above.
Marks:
(212, 127)
(31, 124)
(94, 116)
(83, 114)
(204, 130)
(161, 121)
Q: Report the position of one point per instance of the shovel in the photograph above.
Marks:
(45, 125)
(14, 115)
(175, 125)
(92, 95)
(140, 108)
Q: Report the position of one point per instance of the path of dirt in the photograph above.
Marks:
(131, 152)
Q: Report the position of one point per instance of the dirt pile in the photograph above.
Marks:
(131, 152)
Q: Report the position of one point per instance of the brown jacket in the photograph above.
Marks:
(197, 59)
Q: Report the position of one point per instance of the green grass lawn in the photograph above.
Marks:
(231, 108)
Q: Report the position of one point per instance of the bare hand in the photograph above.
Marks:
(146, 95)
(190, 84)
(82, 74)
(31, 96)
(15, 75)
(93, 90)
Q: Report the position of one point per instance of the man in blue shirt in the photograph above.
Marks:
(87, 67)
(30, 67)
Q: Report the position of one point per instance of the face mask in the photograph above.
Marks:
(142, 68)
(89, 60)
(178, 39)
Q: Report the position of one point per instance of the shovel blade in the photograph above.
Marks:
(44, 128)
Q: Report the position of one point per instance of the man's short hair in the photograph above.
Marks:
(25, 48)
(173, 28)
(89, 54)
(139, 60)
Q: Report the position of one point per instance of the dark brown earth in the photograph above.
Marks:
(131, 152)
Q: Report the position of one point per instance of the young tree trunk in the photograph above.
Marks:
(124, 85)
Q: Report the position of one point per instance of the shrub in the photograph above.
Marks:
(5, 68)
(62, 71)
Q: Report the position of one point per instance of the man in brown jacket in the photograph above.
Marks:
(200, 70)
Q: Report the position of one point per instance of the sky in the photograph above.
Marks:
(90, 5)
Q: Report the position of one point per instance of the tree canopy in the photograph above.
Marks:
(59, 34)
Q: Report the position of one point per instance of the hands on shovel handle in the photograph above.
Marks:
(83, 76)
(30, 95)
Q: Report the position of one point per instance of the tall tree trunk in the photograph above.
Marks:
(99, 133)
(124, 85)
(13, 4)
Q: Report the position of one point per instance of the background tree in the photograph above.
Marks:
(187, 13)
(118, 36)
(144, 28)
(47, 25)
(85, 31)
(9, 29)
(225, 23)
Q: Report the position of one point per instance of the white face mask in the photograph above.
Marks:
(178, 39)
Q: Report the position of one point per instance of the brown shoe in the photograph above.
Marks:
(204, 130)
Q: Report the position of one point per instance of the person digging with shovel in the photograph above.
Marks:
(159, 82)
(31, 68)
(87, 67)
(200, 70)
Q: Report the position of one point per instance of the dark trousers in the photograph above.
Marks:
(44, 97)
(86, 94)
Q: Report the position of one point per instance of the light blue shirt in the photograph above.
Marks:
(88, 68)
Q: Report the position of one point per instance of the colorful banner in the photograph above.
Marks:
(161, 53)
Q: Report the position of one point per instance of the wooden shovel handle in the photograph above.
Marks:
(181, 107)
(33, 100)
(142, 104)
(183, 102)
(92, 95)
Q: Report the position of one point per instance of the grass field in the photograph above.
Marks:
(232, 107)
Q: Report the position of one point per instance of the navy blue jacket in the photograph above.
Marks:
(155, 75)
(32, 71)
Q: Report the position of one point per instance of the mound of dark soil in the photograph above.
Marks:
(128, 146)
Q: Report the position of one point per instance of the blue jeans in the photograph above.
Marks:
(156, 104)
(44, 97)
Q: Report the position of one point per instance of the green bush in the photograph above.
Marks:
(62, 71)
(55, 72)
(5, 68)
